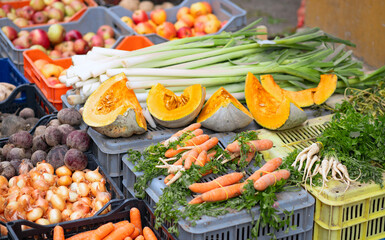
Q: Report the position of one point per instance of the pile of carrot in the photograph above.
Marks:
(123, 230)
(229, 186)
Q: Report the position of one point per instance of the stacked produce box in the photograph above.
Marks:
(156, 120)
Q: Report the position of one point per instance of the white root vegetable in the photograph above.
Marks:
(314, 149)
(345, 173)
(335, 170)
(301, 161)
(307, 172)
(317, 168)
(303, 152)
(176, 177)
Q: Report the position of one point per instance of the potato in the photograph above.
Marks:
(21, 139)
(131, 5)
(69, 116)
(147, 6)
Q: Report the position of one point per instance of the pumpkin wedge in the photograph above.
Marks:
(268, 111)
(224, 113)
(303, 98)
(174, 111)
(114, 110)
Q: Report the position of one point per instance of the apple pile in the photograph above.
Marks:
(51, 72)
(147, 6)
(41, 12)
(197, 20)
(57, 43)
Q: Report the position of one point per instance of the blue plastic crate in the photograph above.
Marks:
(223, 9)
(236, 225)
(10, 74)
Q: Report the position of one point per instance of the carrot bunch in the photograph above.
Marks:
(123, 230)
(228, 186)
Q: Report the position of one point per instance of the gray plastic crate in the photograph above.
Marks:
(233, 225)
(223, 9)
(91, 20)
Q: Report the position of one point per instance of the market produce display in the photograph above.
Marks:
(42, 12)
(24, 120)
(147, 6)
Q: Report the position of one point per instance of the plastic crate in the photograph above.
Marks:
(358, 213)
(236, 225)
(10, 74)
(76, 16)
(91, 20)
(223, 9)
(34, 99)
(111, 3)
(120, 211)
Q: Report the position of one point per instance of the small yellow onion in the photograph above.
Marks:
(3, 200)
(63, 171)
(78, 176)
(25, 200)
(73, 187)
(63, 192)
(44, 167)
(12, 181)
(64, 181)
(83, 189)
(57, 202)
(34, 174)
(66, 213)
(49, 195)
(14, 211)
(27, 190)
(104, 197)
(97, 187)
(3, 182)
(49, 178)
(34, 214)
(40, 184)
(42, 221)
(54, 216)
(86, 200)
(42, 203)
(81, 206)
(96, 206)
(94, 176)
(73, 196)
(77, 215)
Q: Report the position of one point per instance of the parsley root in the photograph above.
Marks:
(271, 179)
(221, 181)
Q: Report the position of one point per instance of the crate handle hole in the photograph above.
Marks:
(337, 191)
(160, 178)
(359, 185)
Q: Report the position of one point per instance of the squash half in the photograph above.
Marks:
(268, 111)
(114, 110)
(224, 113)
(174, 111)
(303, 98)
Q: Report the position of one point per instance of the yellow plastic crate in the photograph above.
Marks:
(357, 214)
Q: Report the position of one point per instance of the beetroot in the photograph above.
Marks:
(38, 156)
(6, 148)
(27, 113)
(78, 139)
(40, 130)
(55, 156)
(54, 122)
(52, 136)
(65, 129)
(70, 116)
(21, 139)
(75, 159)
(16, 153)
(38, 143)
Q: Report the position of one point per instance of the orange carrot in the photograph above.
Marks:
(121, 232)
(81, 236)
(249, 156)
(255, 145)
(219, 182)
(191, 127)
(266, 168)
(196, 200)
(191, 142)
(190, 159)
(168, 178)
(135, 233)
(201, 159)
(58, 233)
(149, 234)
(211, 155)
(270, 179)
(140, 237)
(212, 142)
(128, 238)
(102, 231)
(121, 223)
(135, 218)
(222, 193)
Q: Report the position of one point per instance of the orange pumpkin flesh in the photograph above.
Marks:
(325, 88)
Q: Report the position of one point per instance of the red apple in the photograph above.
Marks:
(67, 46)
(139, 16)
(56, 33)
(166, 30)
(184, 32)
(39, 37)
(182, 11)
(37, 5)
(105, 32)
(52, 21)
(188, 19)
(72, 35)
(97, 41)
(26, 12)
(55, 54)
(52, 81)
(21, 22)
(22, 42)
(158, 16)
(81, 46)
(58, 5)
(179, 24)
(198, 33)
(108, 43)
(56, 14)
(10, 32)
(208, 7)
(144, 28)
(69, 11)
(23, 33)
(198, 9)
(40, 47)
(127, 20)
(68, 54)
(87, 37)
(8, 8)
(76, 5)
(40, 17)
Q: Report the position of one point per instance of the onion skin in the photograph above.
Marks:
(63, 171)
(57, 202)
(42, 221)
(54, 216)
(64, 181)
(35, 214)
(78, 176)
(44, 167)
(94, 176)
